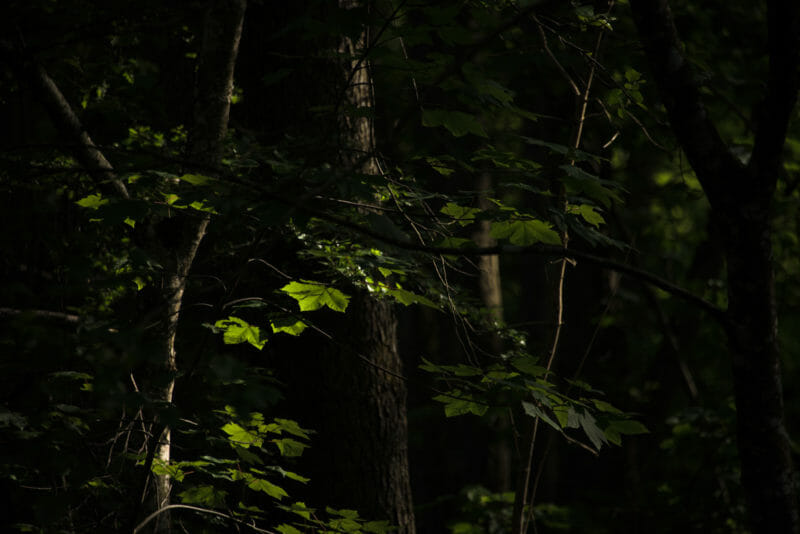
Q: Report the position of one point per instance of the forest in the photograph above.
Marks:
(397, 266)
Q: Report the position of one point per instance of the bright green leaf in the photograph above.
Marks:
(236, 330)
(313, 296)
(288, 325)
(92, 201)
(242, 437)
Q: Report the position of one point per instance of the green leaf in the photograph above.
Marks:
(462, 215)
(290, 447)
(529, 365)
(196, 179)
(288, 325)
(534, 411)
(589, 214)
(205, 495)
(593, 432)
(458, 403)
(260, 484)
(241, 436)
(455, 242)
(92, 201)
(289, 474)
(629, 427)
(300, 509)
(439, 166)
(581, 181)
(525, 232)
(236, 330)
(291, 427)
(406, 298)
(287, 529)
(457, 123)
(606, 407)
(313, 296)
(377, 527)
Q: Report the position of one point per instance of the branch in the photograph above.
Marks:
(68, 318)
(555, 251)
(715, 166)
(160, 511)
(783, 80)
(64, 118)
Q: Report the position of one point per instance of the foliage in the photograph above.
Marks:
(464, 91)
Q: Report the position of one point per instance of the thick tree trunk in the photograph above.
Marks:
(764, 453)
(741, 199)
(356, 391)
(359, 456)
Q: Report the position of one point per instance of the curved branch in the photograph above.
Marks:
(168, 507)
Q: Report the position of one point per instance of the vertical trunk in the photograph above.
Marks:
(741, 198)
(499, 455)
(764, 451)
(356, 391)
(221, 34)
(360, 454)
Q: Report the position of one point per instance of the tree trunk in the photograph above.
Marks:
(741, 198)
(764, 452)
(222, 30)
(499, 457)
(221, 35)
(356, 395)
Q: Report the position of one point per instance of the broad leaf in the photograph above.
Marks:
(313, 296)
(236, 330)
(525, 232)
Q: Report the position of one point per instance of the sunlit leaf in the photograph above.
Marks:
(236, 330)
(313, 296)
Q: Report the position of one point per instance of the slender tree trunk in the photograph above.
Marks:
(221, 35)
(500, 456)
(222, 32)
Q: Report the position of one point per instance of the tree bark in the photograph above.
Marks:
(741, 198)
(356, 396)
(222, 30)
(221, 34)
(499, 457)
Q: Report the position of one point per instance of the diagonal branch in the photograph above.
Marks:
(708, 154)
(64, 117)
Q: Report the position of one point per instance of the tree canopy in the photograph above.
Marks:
(394, 266)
